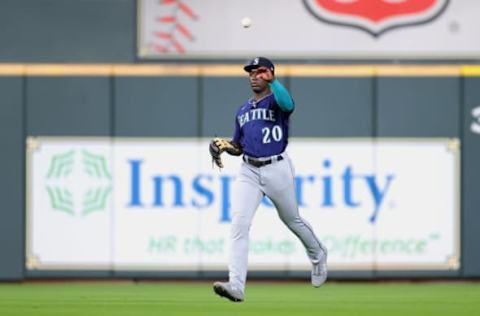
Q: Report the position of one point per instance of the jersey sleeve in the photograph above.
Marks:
(236, 133)
(282, 97)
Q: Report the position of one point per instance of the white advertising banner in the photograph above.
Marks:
(134, 204)
(308, 29)
(69, 203)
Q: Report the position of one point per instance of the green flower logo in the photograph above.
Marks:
(78, 182)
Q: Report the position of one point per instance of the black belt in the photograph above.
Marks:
(261, 163)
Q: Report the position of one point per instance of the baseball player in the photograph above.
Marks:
(261, 135)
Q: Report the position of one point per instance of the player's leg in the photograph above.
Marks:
(246, 196)
(282, 193)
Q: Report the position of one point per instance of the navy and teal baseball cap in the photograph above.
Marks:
(259, 62)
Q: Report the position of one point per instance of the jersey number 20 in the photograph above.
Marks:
(275, 133)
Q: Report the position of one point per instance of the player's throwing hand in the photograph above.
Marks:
(264, 73)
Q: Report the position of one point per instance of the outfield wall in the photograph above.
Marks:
(196, 101)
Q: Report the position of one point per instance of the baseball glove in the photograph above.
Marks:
(218, 146)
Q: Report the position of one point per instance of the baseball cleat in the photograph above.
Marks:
(319, 272)
(225, 289)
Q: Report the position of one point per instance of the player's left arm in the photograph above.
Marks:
(283, 98)
(280, 93)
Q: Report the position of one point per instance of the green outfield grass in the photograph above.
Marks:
(279, 299)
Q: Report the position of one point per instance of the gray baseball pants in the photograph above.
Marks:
(276, 181)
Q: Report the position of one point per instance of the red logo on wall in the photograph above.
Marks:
(376, 16)
(171, 28)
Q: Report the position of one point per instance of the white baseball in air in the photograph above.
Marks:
(246, 22)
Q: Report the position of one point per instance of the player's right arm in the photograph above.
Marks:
(221, 144)
(236, 147)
